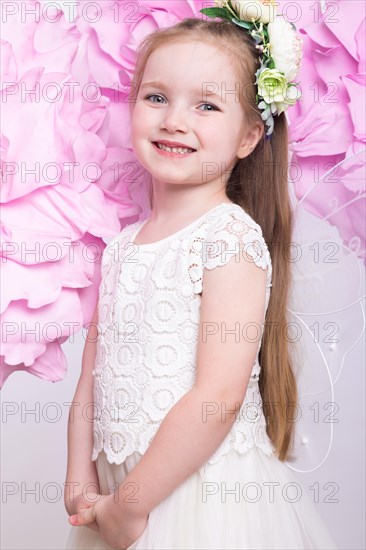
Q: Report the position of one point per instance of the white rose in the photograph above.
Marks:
(260, 10)
(285, 47)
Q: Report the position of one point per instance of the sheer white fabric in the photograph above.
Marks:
(243, 502)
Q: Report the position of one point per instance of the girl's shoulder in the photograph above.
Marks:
(225, 233)
(231, 214)
(232, 224)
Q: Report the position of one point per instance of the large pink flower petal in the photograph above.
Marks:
(360, 42)
(330, 66)
(355, 85)
(325, 134)
(41, 284)
(331, 30)
(8, 66)
(35, 328)
(352, 172)
(335, 21)
(323, 130)
(320, 35)
(50, 366)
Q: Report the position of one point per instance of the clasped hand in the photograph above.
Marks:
(117, 529)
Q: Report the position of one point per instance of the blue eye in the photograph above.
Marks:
(210, 105)
(154, 95)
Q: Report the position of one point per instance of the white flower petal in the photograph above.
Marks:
(285, 47)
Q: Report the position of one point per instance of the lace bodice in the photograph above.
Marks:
(149, 307)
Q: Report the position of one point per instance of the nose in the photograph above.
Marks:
(175, 119)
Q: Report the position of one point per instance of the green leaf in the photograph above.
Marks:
(241, 23)
(216, 12)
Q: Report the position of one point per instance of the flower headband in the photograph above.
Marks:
(280, 52)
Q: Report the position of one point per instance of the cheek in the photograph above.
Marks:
(142, 121)
(215, 138)
(136, 120)
(136, 129)
(217, 130)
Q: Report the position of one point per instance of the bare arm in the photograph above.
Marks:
(234, 295)
(81, 470)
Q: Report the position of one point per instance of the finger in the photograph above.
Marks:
(86, 515)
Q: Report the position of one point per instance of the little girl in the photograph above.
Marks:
(191, 385)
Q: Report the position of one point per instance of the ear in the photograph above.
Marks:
(250, 140)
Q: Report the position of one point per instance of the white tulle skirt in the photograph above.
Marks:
(248, 501)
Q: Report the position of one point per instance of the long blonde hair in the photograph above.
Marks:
(258, 183)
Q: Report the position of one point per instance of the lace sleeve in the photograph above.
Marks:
(228, 236)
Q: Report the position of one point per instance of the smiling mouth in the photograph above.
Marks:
(179, 150)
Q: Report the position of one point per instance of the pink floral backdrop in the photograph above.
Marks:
(70, 178)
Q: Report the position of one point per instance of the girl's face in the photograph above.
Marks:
(174, 105)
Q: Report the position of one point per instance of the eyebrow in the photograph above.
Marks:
(156, 84)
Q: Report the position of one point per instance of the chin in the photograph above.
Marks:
(169, 178)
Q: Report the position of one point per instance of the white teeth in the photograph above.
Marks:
(181, 150)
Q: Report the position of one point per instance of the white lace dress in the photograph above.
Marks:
(149, 306)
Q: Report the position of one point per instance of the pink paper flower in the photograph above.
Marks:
(70, 178)
(327, 126)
